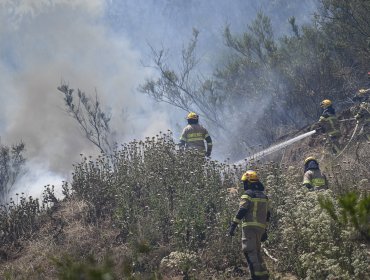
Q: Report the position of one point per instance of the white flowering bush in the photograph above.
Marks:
(305, 238)
(160, 195)
(179, 263)
(157, 193)
(156, 199)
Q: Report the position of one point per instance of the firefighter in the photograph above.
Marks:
(313, 178)
(362, 114)
(194, 135)
(254, 216)
(328, 124)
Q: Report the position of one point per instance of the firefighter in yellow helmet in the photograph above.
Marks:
(194, 135)
(254, 215)
(363, 112)
(313, 178)
(329, 125)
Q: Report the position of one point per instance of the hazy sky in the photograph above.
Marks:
(101, 45)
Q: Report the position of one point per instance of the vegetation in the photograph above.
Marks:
(157, 211)
(352, 210)
(89, 115)
(11, 167)
(147, 210)
(274, 85)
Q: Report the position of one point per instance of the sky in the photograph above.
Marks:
(102, 46)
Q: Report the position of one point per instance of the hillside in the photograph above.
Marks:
(153, 212)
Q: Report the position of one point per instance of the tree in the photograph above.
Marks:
(265, 87)
(184, 88)
(91, 118)
(347, 27)
(350, 209)
(11, 167)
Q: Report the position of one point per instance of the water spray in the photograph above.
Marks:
(276, 148)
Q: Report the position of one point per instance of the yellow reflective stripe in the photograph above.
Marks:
(331, 118)
(261, 273)
(255, 211)
(183, 138)
(209, 144)
(334, 133)
(196, 134)
(207, 135)
(318, 181)
(245, 196)
(307, 182)
(259, 199)
(195, 139)
(256, 224)
(236, 220)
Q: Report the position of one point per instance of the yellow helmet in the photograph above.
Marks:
(325, 103)
(192, 116)
(309, 159)
(250, 176)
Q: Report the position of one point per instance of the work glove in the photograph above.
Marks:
(264, 236)
(232, 228)
(363, 91)
(319, 130)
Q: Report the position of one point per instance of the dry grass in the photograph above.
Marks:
(78, 238)
(72, 229)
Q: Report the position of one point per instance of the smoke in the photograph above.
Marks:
(44, 43)
(97, 46)
(35, 178)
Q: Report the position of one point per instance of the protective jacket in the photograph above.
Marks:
(313, 178)
(329, 123)
(194, 135)
(253, 208)
(363, 113)
(254, 215)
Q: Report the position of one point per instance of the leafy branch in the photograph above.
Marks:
(91, 118)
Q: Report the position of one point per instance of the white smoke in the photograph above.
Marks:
(46, 42)
(94, 45)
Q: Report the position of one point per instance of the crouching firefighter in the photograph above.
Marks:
(363, 112)
(254, 216)
(313, 178)
(328, 124)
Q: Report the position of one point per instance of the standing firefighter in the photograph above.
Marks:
(313, 178)
(328, 124)
(363, 113)
(194, 135)
(254, 215)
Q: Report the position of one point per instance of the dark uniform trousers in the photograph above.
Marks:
(251, 246)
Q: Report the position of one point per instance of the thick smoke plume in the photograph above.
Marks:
(97, 46)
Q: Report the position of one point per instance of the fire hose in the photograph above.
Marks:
(349, 141)
(346, 120)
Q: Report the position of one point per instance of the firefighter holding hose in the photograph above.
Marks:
(328, 124)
